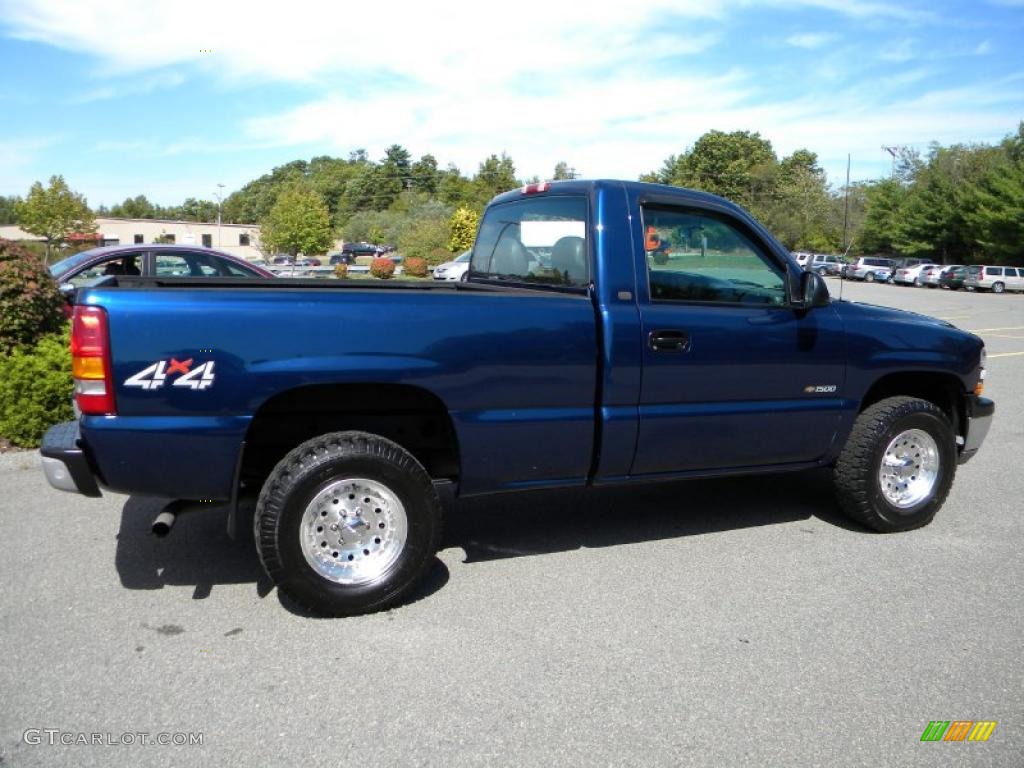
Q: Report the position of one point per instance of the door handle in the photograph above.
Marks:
(669, 341)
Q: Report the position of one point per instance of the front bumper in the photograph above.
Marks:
(979, 419)
(64, 461)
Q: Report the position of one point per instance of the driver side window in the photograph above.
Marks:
(694, 256)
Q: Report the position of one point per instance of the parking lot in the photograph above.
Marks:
(720, 623)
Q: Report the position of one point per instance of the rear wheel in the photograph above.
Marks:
(347, 523)
(998, 288)
(897, 465)
(869, 277)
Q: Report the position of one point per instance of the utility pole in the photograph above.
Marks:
(846, 203)
(220, 195)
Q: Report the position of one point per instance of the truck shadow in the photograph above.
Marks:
(199, 553)
(534, 523)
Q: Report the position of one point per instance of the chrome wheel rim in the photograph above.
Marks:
(909, 468)
(353, 531)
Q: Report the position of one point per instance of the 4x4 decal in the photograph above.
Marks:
(154, 376)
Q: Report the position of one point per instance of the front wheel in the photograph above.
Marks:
(347, 523)
(897, 465)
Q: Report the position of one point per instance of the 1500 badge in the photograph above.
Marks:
(156, 375)
(820, 389)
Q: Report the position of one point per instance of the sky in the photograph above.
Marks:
(171, 99)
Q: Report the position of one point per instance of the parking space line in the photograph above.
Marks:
(989, 330)
(951, 317)
(1006, 354)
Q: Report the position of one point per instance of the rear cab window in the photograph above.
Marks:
(534, 241)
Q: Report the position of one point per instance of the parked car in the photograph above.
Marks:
(995, 279)
(953, 278)
(870, 269)
(361, 249)
(456, 269)
(153, 260)
(802, 258)
(909, 262)
(930, 275)
(308, 261)
(582, 369)
(911, 275)
(341, 257)
(825, 263)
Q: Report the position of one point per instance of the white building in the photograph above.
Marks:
(237, 239)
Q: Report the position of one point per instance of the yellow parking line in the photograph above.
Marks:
(1006, 354)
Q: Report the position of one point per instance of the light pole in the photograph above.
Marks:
(220, 195)
(892, 151)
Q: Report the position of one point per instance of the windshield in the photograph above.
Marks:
(463, 258)
(66, 265)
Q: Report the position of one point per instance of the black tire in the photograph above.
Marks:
(857, 484)
(869, 277)
(297, 480)
(998, 288)
(464, 277)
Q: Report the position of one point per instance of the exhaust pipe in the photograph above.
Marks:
(163, 523)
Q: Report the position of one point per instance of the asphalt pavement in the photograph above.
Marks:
(711, 623)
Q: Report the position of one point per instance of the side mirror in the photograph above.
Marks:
(811, 292)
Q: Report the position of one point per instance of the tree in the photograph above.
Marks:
(9, 210)
(424, 174)
(994, 205)
(495, 175)
(739, 166)
(299, 222)
(463, 225)
(885, 200)
(54, 212)
(563, 171)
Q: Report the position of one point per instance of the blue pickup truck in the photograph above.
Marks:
(571, 356)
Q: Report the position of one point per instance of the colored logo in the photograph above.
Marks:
(156, 375)
(958, 730)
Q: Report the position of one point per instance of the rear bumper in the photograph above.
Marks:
(979, 419)
(64, 461)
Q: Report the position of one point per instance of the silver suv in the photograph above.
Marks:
(995, 279)
(870, 269)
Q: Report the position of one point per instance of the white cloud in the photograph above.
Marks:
(605, 88)
(810, 40)
(131, 87)
(983, 48)
(17, 158)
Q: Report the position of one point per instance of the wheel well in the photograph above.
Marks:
(943, 389)
(412, 417)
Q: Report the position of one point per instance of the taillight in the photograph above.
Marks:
(90, 361)
(532, 189)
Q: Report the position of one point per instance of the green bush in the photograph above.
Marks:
(35, 389)
(415, 266)
(341, 271)
(30, 304)
(382, 268)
